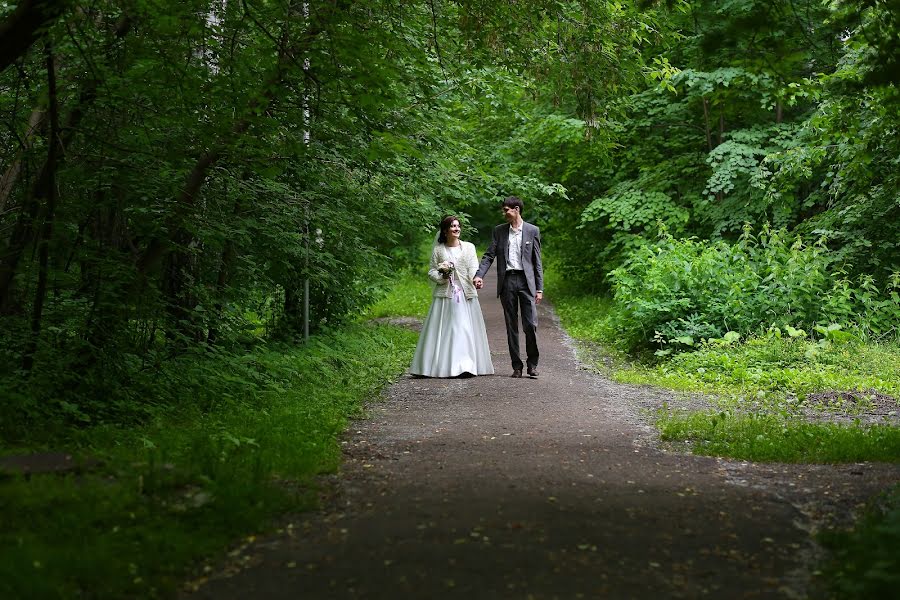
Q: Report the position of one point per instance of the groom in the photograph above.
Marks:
(520, 280)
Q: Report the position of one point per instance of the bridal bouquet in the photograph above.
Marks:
(446, 269)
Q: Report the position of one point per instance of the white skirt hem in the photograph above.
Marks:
(453, 341)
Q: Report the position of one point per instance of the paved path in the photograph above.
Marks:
(494, 487)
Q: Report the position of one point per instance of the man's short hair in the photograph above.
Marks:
(514, 202)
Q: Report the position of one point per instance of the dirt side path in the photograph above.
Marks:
(550, 488)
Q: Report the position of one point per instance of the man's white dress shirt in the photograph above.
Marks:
(514, 249)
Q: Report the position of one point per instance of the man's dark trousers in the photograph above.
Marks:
(515, 297)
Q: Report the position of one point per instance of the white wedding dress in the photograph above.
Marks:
(453, 340)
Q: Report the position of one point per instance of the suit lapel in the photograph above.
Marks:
(524, 246)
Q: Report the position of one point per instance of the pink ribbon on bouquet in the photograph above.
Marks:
(455, 290)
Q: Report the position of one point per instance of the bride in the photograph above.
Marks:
(453, 341)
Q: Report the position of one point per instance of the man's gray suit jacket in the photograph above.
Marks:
(530, 258)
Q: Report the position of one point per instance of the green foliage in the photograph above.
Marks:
(771, 112)
(773, 367)
(764, 385)
(770, 438)
(213, 177)
(865, 561)
(191, 211)
(236, 440)
(773, 371)
(582, 314)
(677, 292)
(845, 154)
(410, 296)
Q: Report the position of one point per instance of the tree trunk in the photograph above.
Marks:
(228, 254)
(292, 322)
(24, 26)
(40, 293)
(23, 230)
(11, 175)
(179, 275)
(721, 127)
(709, 144)
(158, 248)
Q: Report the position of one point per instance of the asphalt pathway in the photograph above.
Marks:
(493, 487)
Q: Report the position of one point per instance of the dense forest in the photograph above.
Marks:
(181, 175)
(191, 191)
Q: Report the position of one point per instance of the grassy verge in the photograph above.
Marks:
(410, 297)
(865, 562)
(768, 437)
(240, 446)
(764, 389)
(771, 365)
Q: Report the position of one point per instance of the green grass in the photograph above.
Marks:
(760, 386)
(242, 446)
(767, 437)
(772, 365)
(761, 382)
(409, 297)
(865, 561)
(761, 365)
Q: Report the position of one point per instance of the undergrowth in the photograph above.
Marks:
(774, 438)
(231, 441)
(766, 382)
(864, 561)
(764, 379)
(673, 293)
(410, 296)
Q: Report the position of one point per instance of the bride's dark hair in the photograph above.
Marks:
(446, 222)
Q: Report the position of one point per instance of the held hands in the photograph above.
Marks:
(479, 283)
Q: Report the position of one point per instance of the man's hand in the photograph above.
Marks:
(479, 283)
(538, 297)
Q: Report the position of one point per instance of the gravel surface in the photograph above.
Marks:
(555, 487)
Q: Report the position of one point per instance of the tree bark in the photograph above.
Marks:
(709, 144)
(23, 230)
(40, 293)
(228, 254)
(11, 175)
(721, 127)
(24, 26)
(292, 321)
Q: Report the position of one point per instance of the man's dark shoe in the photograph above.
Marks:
(516, 373)
(532, 372)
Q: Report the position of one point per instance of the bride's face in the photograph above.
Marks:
(454, 231)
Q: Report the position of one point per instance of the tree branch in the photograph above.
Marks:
(28, 23)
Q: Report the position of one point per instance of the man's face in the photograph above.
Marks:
(510, 214)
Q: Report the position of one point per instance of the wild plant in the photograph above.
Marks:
(677, 292)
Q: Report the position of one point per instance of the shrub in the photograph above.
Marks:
(677, 292)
